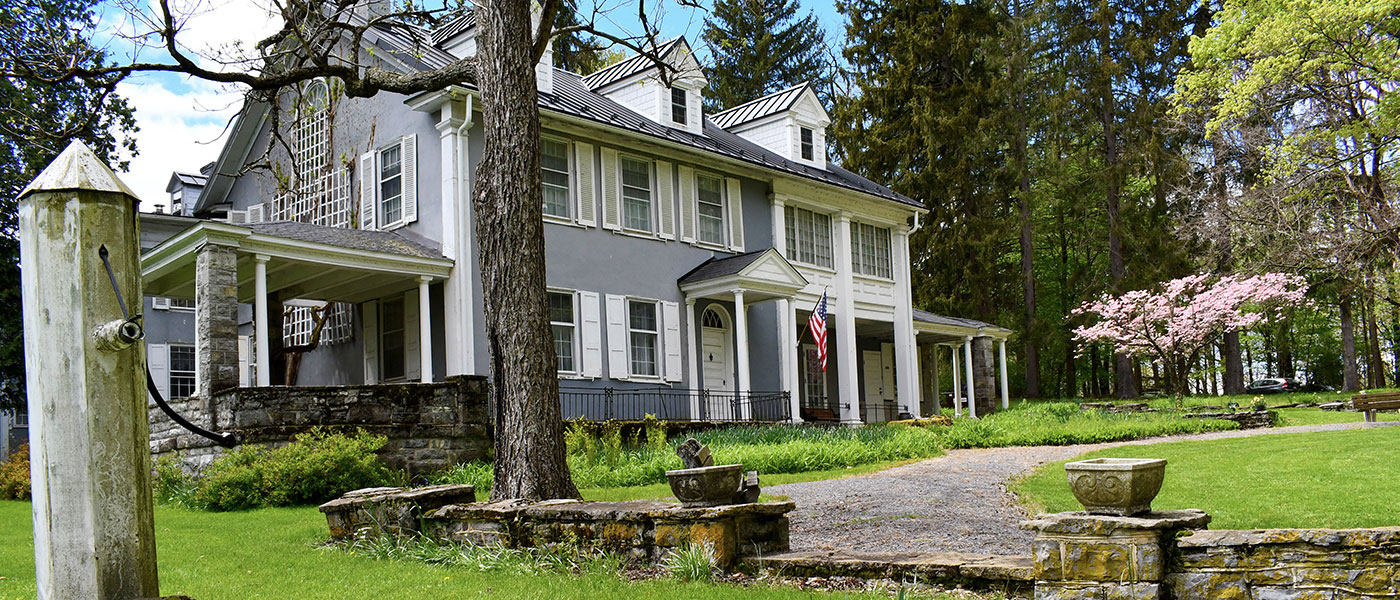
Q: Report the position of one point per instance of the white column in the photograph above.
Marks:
(458, 290)
(260, 317)
(967, 370)
(741, 352)
(692, 360)
(1001, 361)
(906, 368)
(792, 356)
(846, 352)
(957, 382)
(425, 330)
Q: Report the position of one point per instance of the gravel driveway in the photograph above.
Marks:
(957, 502)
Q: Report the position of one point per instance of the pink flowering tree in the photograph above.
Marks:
(1177, 320)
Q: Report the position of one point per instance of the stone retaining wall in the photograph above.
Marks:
(1152, 557)
(430, 426)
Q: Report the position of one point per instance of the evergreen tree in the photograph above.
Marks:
(759, 47)
(577, 51)
(36, 123)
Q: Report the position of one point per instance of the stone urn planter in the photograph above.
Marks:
(1116, 486)
(705, 486)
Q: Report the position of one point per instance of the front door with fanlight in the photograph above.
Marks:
(718, 375)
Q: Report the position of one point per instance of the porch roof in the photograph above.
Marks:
(764, 274)
(303, 261)
(935, 327)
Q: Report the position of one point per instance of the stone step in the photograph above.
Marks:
(977, 571)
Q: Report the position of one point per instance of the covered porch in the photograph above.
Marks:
(225, 267)
(979, 378)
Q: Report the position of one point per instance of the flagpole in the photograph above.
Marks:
(802, 335)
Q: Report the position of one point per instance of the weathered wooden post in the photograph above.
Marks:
(93, 531)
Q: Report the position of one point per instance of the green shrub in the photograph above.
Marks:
(316, 467)
(172, 485)
(692, 562)
(1064, 423)
(14, 475)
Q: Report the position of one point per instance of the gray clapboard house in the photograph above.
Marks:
(685, 251)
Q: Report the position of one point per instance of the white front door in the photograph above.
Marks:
(715, 355)
(875, 392)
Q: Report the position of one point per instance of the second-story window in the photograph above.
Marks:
(554, 175)
(808, 237)
(808, 150)
(390, 185)
(678, 115)
(182, 373)
(636, 194)
(870, 250)
(564, 326)
(643, 333)
(710, 197)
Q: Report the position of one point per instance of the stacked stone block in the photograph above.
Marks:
(216, 319)
(1294, 564)
(1077, 556)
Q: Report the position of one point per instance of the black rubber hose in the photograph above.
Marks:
(227, 440)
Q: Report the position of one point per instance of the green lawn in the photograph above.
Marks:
(1315, 416)
(1335, 479)
(273, 553)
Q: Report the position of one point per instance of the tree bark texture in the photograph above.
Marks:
(529, 433)
(1375, 363)
(1350, 381)
(1123, 381)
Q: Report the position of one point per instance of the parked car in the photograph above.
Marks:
(1273, 385)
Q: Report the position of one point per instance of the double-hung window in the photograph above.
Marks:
(678, 115)
(636, 194)
(870, 247)
(181, 371)
(564, 323)
(390, 185)
(808, 237)
(182, 304)
(393, 362)
(554, 176)
(710, 206)
(21, 418)
(643, 334)
(808, 150)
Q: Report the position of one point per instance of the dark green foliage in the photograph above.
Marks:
(576, 51)
(762, 46)
(36, 122)
(171, 485)
(316, 467)
(14, 475)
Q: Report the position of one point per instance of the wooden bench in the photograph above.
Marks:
(819, 414)
(1370, 403)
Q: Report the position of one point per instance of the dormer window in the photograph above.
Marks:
(678, 100)
(807, 148)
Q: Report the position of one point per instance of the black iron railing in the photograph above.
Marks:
(673, 404)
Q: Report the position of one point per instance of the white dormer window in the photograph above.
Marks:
(678, 100)
(807, 146)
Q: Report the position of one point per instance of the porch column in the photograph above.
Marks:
(692, 352)
(260, 318)
(1001, 362)
(425, 330)
(847, 372)
(456, 237)
(971, 392)
(741, 352)
(937, 385)
(216, 319)
(906, 369)
(787, 357)
(957, 386)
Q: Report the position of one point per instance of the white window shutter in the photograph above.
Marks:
(158, 361)
(160, 303)
(736, 213)
(408, 150)
(618, 365)
(665, 197)
(245, 358)
(671, 322)
(591, 334)
(583, 183)
(411, 359)
(693, 108)
(257, 213)
(369, 180)
(612, 191)
(370, 314)
(688, 207)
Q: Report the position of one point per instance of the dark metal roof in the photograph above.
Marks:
(450, 29)
(631, 66)
(717, 267)
(387, 242)
(754, 110)
(928, 317)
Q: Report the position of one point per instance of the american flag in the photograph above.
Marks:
(817, 325)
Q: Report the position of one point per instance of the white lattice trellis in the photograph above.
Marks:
(320, 189)
(298, 321)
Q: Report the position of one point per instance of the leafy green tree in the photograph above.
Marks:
(576, 50)
(36, 122)
(759, 47)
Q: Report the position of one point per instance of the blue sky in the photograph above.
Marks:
(182, 121)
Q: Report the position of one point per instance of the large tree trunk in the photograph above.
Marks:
(1285, 348)
(1395, 341)
(1028, 332)
(1123, 382)
(1375, 363)
(529, 433)
(1350, 381)
(1225, 262)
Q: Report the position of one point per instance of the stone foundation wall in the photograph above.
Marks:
(430, 426)
(1154, 557)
